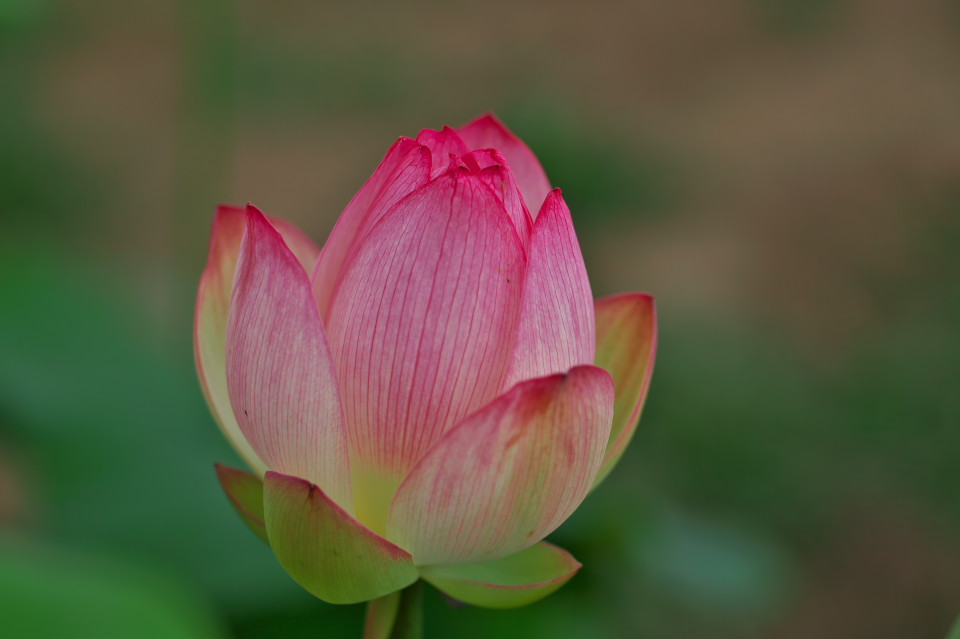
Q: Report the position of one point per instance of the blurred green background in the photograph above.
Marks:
(784, 176)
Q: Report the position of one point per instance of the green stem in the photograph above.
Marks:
(409, 624)
(398, 615)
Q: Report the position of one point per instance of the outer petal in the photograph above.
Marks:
(510, 582)
(245, 492)
(279, 371)
(556, 321)
(509, 474)
(327, 551)
(213, 306)
(488, 132)
(405, 168)
(626, 347)
(442, 145)
(423, 327)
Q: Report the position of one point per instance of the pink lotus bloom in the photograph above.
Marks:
(433, 392)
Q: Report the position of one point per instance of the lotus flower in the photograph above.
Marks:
(433, 392)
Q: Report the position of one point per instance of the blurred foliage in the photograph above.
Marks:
(49, 592)
(20, 14)
(955, 633)
(277, 78)
(36, 175)
(800, 17)
(601, 176)
(107, 419)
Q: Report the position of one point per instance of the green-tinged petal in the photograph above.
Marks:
(626, 348)
(210, 326)
(381, 613)
(325, 550)
(280, 376)
(510, 582)
(213, 307)
(245, 491)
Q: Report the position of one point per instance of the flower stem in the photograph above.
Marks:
(409, 624)
(398, 615)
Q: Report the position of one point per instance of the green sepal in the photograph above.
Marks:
(509, 582)
(328, 552)
(245, 492)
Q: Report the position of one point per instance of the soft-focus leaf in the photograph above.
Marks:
(955, 632)
(47, 592)
(714, 566)
(69, 398)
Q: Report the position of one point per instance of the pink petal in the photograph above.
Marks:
(556, 321)
(279, 371)
(405, 168)
(488, 132)
(442, 145)
(423, 327)
(509, 474)
(626, 348)
(213, 306)
(492, 168)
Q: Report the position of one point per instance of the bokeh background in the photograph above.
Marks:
(784, 176)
